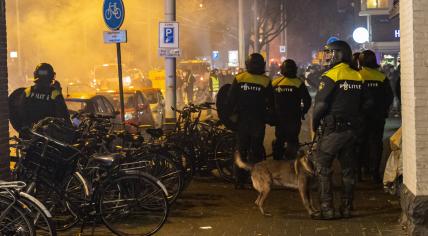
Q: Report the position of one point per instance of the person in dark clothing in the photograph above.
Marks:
(355, 61)
(340, 104)
(189, 81)
(44, 98)
(250, 98)
(380, 90)
(398, 86)
(289, 95)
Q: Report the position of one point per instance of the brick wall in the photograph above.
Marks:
(4, 123)
(414, 90)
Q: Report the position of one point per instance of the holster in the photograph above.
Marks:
(334, 123)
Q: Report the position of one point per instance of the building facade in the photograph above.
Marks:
(384, 31)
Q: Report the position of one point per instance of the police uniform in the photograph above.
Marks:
(41, 102)
(340, 102)
(249, 97)
(372, 146)
(289, 94)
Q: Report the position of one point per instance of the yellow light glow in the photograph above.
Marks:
(377, 4)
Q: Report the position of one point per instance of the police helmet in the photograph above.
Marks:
(255, 64)
(44, 72)
(339, 51)
(289, 68)
(368, 59)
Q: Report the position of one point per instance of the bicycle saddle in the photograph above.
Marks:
(106, 160)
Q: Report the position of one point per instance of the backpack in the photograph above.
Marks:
(224, 112)
(16, 108)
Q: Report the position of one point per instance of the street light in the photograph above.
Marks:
(361, 35)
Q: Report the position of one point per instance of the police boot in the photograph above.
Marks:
(346, 208)
(326, 200)
(326, 213)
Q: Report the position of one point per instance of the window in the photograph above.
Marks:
(377, 4)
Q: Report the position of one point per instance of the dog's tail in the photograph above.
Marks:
(241, 164)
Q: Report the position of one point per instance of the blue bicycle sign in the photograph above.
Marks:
(113, 13)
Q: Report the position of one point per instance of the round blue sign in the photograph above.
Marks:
(113, 13)
(332, 39)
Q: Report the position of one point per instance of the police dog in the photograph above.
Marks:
(295, 174)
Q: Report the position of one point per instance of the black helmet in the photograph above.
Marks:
(368, 59)
(340, 52)
(256, 64)
(289, 68)
(44, 72)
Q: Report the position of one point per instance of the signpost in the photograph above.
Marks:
(114, 15)
(169, 48)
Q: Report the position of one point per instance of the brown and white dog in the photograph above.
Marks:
(294, 174)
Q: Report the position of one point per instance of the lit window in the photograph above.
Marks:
(377, 4)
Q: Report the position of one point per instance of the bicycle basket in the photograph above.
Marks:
(50, 160)
(56, 128)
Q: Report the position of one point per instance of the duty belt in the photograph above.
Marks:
(338, 124)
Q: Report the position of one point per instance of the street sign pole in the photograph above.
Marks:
(170, 69)
(114, 15)
(119, 69)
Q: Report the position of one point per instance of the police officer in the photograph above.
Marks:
(380, 90)
(44, 98)
(249, 98)
(289, 95)
(214, 83)
(339, 104)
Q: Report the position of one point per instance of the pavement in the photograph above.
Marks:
(211, 206)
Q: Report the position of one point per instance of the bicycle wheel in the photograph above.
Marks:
(65, 205)
(15, 221)
(186, 162)
(167, 171)
(133, 204)
(224, 156)
(39, 215)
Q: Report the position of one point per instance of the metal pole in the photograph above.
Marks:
(241, 34)
(170, 67)
(256, 26)
(18, 39)
(285, 29)
(369, 27)
(119, 69)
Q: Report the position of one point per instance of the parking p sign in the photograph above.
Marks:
(168, 35)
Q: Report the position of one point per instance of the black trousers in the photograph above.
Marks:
(372, 146)
(336, 145)
(286, 133)
(250, 136)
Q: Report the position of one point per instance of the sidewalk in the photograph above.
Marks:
(212, 208)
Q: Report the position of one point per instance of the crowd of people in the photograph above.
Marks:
(353, 99)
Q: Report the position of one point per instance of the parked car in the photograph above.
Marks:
(90, 103)
(137, 107)
(157, 105)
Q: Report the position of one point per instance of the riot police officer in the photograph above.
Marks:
(44, 98)
(289, 95)
(380, 90)
(249, 98)
(339, 104)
